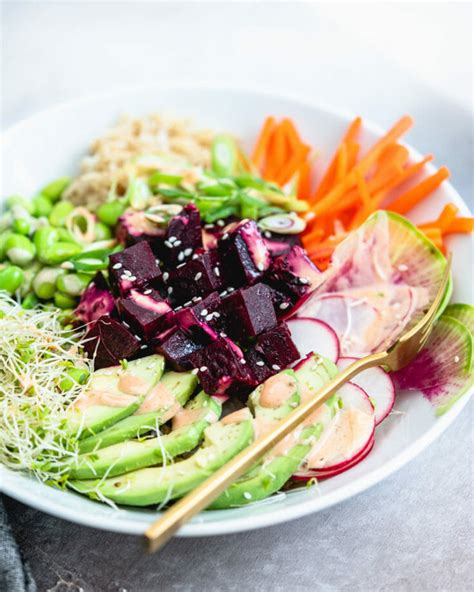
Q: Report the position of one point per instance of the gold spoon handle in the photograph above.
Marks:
(198, 499)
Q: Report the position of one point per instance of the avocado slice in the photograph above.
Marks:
(132, 382)
(157, 485)
(274, 470)
(134, 454)
(180, 384)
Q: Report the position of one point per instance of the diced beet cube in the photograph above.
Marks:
(109, 341)
(243, 254)
(277, 348)
(96, 301)
(146, 312)
(183, 237)
(280, 244)
(222, 366)
(282, 303)
(197, 277)
(258, 366)
(135, 267)
(177, 347)
(294, 274)
(249, 311)
(134, 227)
(195, 325)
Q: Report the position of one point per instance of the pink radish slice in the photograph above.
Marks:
(310, 335)
(355, 321)
(377, 384)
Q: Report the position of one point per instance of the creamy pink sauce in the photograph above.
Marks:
(185, 417)
(158, 398)
(348, 432)
(103, 398)
(237, 416)
(132, 385)
(277, 390)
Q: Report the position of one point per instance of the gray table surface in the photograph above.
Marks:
(414, 531)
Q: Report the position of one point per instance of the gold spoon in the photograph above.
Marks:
(395, 357)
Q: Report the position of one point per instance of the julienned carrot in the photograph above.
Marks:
(352, 152)
(290, 167)
(444, 220)
(415, 195)
(463, 225)
(289, 129)
(353, 130)
(304, 180)
(277, 153)
(262, 141)
(341, 163)
(435, 236)
(363, 165)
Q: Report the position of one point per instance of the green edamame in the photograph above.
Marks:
(42, 206)
(73, 284)
(55, 189)
(3, 239)
(65, 236)
(44, 282)
(110, 212)
(44, 238)
(64, 301)
(59, 252)
(28, 276)
(19, 249)
(19, 200)
(29, 301)
(21, 226)
(102, 232)
(74, 376)
(59, 213)
(11, 278)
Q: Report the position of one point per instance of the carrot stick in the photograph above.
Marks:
(289, 130)
(363, 165)
(341, 164)
(464, 225)
(444, 220)
(292, 164)
(262, 141)
(435, 236)
(415, 195)
(352, 152)
(353, 130)
(277, 153)
(304, 181)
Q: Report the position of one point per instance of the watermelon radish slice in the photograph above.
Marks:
(311, 335)
(442, 371)
(377, 384)
(464, 313)
(347, 435)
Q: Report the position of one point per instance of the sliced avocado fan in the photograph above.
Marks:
(134, 454)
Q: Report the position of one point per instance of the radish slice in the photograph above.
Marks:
(348, 434)
(377, 384)
(310, 335)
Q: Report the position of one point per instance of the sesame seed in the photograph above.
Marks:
(267, 234)
(188, 303)
(456, 359)
(217, 271)
(304, 280)
(243, 361)
(224, 293)
(125, 324)
(209, 317)
(180, 265)
(178, 308)
(144, 346)
(247, 495)
(137, 337)
(132, 278)
(117, 266)
(203, 369)
(275, 367)
(222, 334)
(177, 243)
(158, 262)
(195, 256)
(260, 363)
(170, 290)
(198, 276)
(124, 276)
(147, 291)
(217, 315)
(197, 298)
(188, 251)
(172, 239)
(208, 226)
(195, 371)
(180, 256)
(225, 236)
(230, 289)
(220, 223)
(204, 312)
(168, 244)
(166, 276)
(284, 305)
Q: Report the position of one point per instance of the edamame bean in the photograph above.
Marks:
(59, 213)
(73, 284)
(5, 221)
(11, 278)
(45, 238)
(42, 206)
(74, 376)
(3, 239)
(29, 274)
(65, 236)
(44, 283)
(19, 200)
(64, 301)
(21, 226)
(110, 212)
(55, 189)
(19, 249)
(102, 232)
(29, 301)
(59, 252)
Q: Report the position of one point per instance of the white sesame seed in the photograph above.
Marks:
(222, 334)
(230, 289)
(132, 278)
(195, 371)
(166, 276)
(180, 256)
(188, 303)
(137, 337)
(267, 234)
(209, 317)
(170, 290)
(157, 261)
(124, 276)
(144, 346)
(195, 256)
(178, 308)
(247, 495)
(225, 236)
(208, 226)
(125, 324)
(275, 367)
(197, 298)
(168, 244)
(172, 239)
(304, 280)
(117, 266)
(217, 314)
(198, 276)
(204, 312)
(224, 293)
(177, 243)
(203, 369)
(217, 271)
(456, 359)
(148, 291)
(220, 223)
(260, 363)
(188, 251)
(284, 305)
(180, 265)
(243, 361)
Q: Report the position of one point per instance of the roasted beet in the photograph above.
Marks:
(277, 348)
(294, 274)
(96, 301)
(134, 227)
(279, 244)
(249, 311)
(194, 324)
(195, 278)
(282, 302)
(177, 347)
(134, 268)
(146, 312)
(183, 237)
(243, 253)
(222, 367)
(109, 341)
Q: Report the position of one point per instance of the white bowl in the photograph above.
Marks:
(51, 143)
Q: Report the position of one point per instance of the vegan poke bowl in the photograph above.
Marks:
(183, 291)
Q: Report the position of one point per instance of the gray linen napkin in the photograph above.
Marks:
(15, 575)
